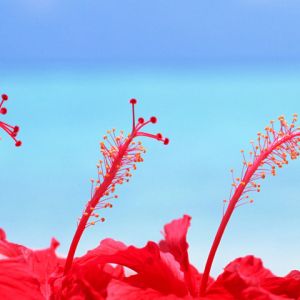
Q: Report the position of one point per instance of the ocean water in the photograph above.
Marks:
(209, 114)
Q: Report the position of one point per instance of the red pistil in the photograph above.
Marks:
(133, 101)
(270, 152)
(120, 156)
(153, 120)
(4, 97)
(11, 130)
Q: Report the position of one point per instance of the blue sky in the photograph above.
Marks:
(150, 31)
(213, 72)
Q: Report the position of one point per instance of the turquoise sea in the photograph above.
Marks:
(209, 114)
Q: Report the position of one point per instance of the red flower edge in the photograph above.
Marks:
(161, 271)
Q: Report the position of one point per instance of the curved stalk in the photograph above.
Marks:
(119, 157)
(276, 146)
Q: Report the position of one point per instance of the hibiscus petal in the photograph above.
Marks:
(40, 264)
(121, 290)
(175, 240)
(154, 269)
(249, 268)
(107, 247)
(242, 273)
(16, 282)
(89, 276)
(88, 281)
(8, 249)
(257, 293)
(43, 264)
(288, 286)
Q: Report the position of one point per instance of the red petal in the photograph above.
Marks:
(8, 249)
(41, 264)
(154, 269)
(288, 286)
(88, 281)
(120, 290)
(242, 273)
(175, 240)
(258, 293)
(16, 282)
(89, 276)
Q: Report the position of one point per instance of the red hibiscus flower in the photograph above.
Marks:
(246, 279)
(24, 273)
(161, 271)
(34, 275)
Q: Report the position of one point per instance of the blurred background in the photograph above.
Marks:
(213, 72)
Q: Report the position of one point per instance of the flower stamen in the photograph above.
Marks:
(11, 130)
(271, 151)
(121, 154)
